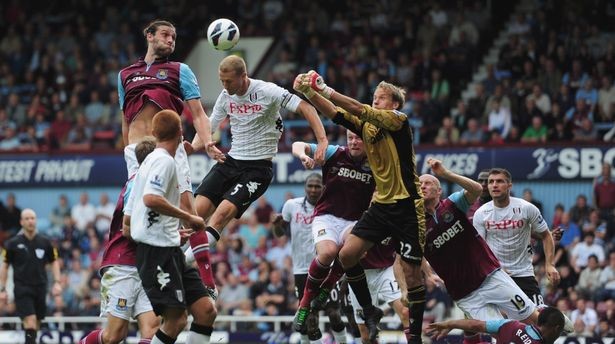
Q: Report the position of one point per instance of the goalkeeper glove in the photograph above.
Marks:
(318, 84)
(302, 84)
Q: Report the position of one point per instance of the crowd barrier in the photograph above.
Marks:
(61, 330)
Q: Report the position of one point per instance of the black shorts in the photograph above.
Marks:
(166, 279)
(241, 182)
(31, 300)
(403, 221)
(529, 285)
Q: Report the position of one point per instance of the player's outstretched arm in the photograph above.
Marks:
(548, 245)
(472, 189)
(310, 114)
(441, 329)
(323, 105)
(387, 119)
(202, 126)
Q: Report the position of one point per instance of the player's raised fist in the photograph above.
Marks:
(318, 84)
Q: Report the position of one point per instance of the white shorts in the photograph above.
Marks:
(122, 294)
(329, 227)
(184, 180)
(498, 293)
(383, 288)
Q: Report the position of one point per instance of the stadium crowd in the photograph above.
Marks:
(553, 83)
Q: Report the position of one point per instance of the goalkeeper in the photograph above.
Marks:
(397, 206)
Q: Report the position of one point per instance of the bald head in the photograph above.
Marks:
(28, 220)
(430, 187)
(233, 63)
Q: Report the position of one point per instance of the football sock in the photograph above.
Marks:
(335, 274)
(94, 337)
(199, 334)
(357, 281)
(162, 338)
(200, 249)
(416, 304)
(316, 274)
(30, 336)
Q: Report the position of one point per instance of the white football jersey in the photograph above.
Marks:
(157, 175)
(508, 233)
(300, 214)
(256, 124)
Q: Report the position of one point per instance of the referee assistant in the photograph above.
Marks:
(29, 253)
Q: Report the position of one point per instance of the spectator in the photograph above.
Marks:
(586, 132)
(589, 280)
(607, 279)
(263, 211)
(11, 215)
(595, 225)
(448, 134)
(583, 250)
(536, 133)
(559, 133)
(278, 253)
(542, 100)
(587, 316)
(604, 192)
(10, 141)
(232, 295)
(500, 119)
(59, 212)
(529, 196)
(498, 94)
(473, 134)
(588, 94)
(606, 100)
(557, 215)
(579, 213)
(252, 231)
(83, 213)
(477, 104)
(104, 213)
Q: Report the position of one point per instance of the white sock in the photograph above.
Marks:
(317, 341)
(340, 337)
(197, 338)
(189, 255)
(155, 340)
(305, 339)
(211, 239)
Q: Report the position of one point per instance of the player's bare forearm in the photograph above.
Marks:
(55, 270)
(549, 247)
(200, 120)
(469, 325)
(310, 114)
